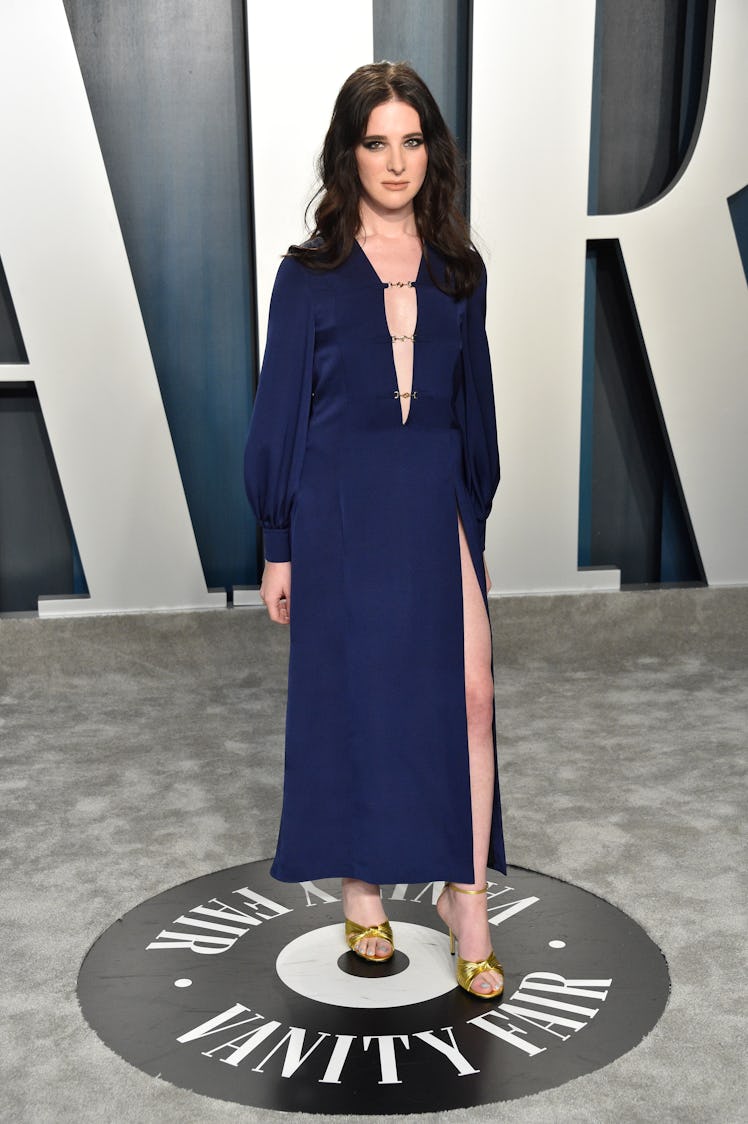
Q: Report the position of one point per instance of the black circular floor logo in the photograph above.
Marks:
(240, 987)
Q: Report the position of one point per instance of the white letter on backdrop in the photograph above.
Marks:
(689, 287)
(532, 89)
(78, 312)
(295, 74)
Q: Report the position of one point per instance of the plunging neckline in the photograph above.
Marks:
(384, 285)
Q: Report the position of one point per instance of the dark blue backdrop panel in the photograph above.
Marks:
(166, 80)
(738, 204)
(650, 66)
(638, 520)
(36, 545)
(434, 36)
(586, 446)
(12, 349)
(36, 549)
(649, 78)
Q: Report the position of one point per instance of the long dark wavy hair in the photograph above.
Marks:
(438, 215)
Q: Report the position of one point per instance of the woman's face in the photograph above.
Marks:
(392, 158)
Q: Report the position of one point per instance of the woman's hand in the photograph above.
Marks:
(488, 576)
(275, 591)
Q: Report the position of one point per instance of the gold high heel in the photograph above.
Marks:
(467, 970)
(355, 933)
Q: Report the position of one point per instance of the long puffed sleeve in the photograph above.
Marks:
(476, 410)
(277, 434)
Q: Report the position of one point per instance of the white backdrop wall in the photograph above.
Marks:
(691, 298)
(531, 94)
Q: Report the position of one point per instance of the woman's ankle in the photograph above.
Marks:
(469, 888)
(357, 886)
(362, 902)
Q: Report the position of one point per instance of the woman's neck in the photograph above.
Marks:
(387, 226)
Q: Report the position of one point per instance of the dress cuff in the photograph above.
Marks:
(277, 544)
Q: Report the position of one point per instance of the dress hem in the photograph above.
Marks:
(415, 877)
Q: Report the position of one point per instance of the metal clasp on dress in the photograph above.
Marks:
(406, 394)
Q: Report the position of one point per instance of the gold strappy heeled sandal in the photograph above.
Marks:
(355, 933)
(467, 970)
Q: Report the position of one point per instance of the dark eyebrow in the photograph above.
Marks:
(378, 137)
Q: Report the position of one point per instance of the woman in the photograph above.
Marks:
(371, 464)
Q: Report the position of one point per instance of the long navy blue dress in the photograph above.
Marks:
(365, 506)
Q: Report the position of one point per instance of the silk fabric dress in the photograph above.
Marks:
(376, 782)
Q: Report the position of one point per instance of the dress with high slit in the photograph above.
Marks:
(365, 506)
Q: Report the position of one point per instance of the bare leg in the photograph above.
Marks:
(362, 903)
(465, 913)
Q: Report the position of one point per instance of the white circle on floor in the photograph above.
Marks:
(309, 966)
(557, 944)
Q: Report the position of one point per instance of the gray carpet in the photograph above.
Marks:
(141, 752)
